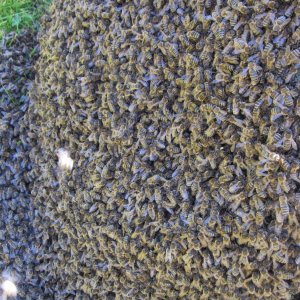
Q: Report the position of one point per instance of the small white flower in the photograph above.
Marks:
(65, 162)
(9, 289)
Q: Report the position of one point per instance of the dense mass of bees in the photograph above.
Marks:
(183, 121)
(17, 238)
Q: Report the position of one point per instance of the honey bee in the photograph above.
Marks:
(273, 135)
(288, 97)
(288, 141)
(218, 198)
(259, 218)
(255, 73)
(240, 45)
(236, 200)
(224, 193)
(191, 60)
(284, 207)
(220, 31)
(185, 41)
(296, 34)
(280, 23)
(235, 187)
(280, 257)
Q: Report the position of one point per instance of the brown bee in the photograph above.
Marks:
(259, 218)
(255, 73)
(235, 187)
(284, 207)
(191, 60)
(193, 35)
(240, 45)
(236, 200)
(280, 23)
(288, 141)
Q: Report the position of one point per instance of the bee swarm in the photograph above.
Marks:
(18, 243)
(183, 121)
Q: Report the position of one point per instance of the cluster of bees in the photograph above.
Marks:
(182, 119)
(17, 238)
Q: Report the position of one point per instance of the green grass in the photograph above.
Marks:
(16, 15)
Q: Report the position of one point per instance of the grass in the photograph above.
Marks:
(16, 15)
